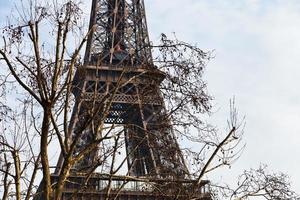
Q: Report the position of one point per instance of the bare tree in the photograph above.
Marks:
(259, 183)
(41, 52)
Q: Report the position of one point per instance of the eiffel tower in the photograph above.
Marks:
(119, 84)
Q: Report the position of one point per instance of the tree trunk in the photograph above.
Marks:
(44, 152)
(17, 176)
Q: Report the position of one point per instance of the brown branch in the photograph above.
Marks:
(33, 176)
(218, 148)
(6, 182)
(57, 57)
(60, 139)
(18, 79)
(40, 81)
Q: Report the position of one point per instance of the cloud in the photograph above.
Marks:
(257, 60)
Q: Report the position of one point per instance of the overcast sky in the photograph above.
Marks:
(257, 48)
(257, 56)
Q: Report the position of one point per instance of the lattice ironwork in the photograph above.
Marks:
(123, 98)
(119, 33)
(119, 38)
(118, 69)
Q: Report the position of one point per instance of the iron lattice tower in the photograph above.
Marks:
(118, 64)
(118, 67)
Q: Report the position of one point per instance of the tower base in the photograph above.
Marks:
(103, 187)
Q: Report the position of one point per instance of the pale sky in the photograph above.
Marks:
(257, 56)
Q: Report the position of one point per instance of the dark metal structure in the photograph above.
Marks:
(118, 73)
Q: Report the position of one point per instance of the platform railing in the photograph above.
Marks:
(100, 183)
